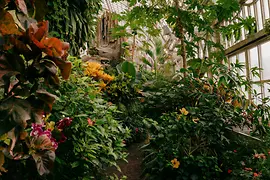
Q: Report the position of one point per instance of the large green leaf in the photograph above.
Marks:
(13, 112)
(129, 68)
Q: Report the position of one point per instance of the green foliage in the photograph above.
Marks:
(122, 89)
(73, 21)
(195, 121)
(128, 68)
(95, 138)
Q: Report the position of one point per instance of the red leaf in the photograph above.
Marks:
(42, 31)
(64, 66)
(53, 46)
(7, 24)
(21, 6)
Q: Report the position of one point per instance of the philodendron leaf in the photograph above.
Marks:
(44, 161)
(13, 112)
(129, 68)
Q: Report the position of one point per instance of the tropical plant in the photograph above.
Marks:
(29, 62)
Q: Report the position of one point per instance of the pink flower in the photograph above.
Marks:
(235, 151)
(54, 143)
(48, 133)
(136, 130)
(36, 129)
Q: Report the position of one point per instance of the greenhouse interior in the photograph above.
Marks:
(134, 89)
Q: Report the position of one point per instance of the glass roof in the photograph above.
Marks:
(116, 7)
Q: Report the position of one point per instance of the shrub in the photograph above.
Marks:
(194, 138)
(29, 62)
(96, 139)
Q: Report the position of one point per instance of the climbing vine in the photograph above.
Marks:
(73, 21)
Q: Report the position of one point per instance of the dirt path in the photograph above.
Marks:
(132, 169)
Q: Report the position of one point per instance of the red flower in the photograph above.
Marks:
(229, 171)
(136, 130)
(235, 151)
(64, 123)
(63, 138)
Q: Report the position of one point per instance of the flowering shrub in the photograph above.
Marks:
(194, 137)
(29, 64)
(95, 139)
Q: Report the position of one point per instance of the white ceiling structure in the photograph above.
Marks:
(116, 7)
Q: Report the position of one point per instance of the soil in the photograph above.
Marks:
(132, 170)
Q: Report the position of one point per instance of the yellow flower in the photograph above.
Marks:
(175, 163)
(95, 70)
(195, 120)
(107, 77)
(184, 111)
(50, 125)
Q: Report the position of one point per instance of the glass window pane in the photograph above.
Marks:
(266, 60)
(254, 62)
(266, 9)
(259, 15)
(233, 59)
(252, 11)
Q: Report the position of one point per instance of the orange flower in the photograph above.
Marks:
(247, 169)
(142, 100)
(255, 174)
(175, 163)
(90, 122)
(184, 111)
(259, 156)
